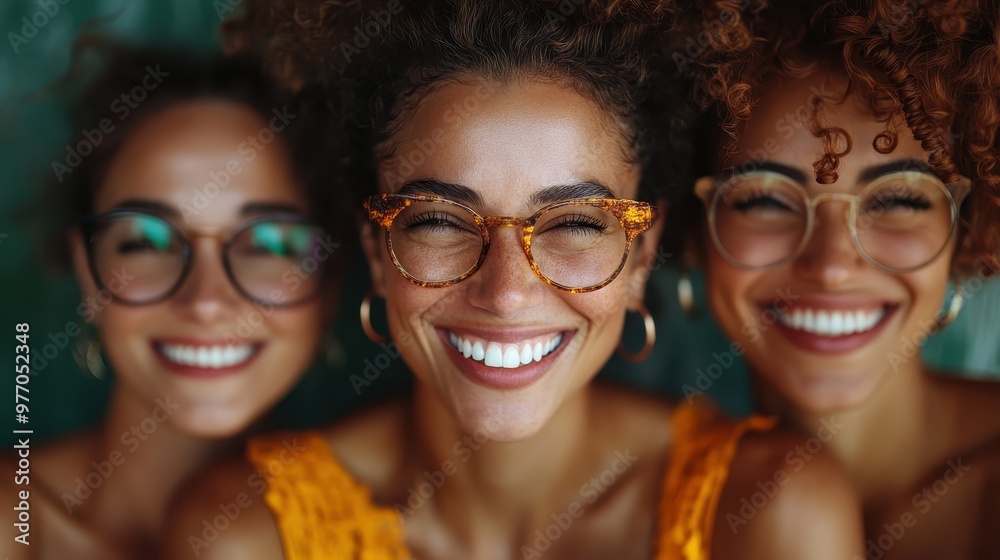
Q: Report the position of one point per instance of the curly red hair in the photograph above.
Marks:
(933, 64)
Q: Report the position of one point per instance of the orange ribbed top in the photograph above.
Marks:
(323, 512)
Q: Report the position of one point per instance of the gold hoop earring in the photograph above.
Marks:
(87, 353)
(647, 348)
(685, 294)
(366, 319)
(954, 308)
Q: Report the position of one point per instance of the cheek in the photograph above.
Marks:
(726, 291)
(297, 324)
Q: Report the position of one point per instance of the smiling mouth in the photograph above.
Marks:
(505, 355)
(832, 323)
(207, 357)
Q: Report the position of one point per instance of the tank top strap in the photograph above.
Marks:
(320, 509)
(701, 454)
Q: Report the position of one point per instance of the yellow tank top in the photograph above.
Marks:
(322, 512)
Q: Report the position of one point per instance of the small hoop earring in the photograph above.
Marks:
(366, 319)
(647, 348)
(685, 295)
(954, 308)
(87, 353)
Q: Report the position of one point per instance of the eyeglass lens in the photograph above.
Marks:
(573, 245)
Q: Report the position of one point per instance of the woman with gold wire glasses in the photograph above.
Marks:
(508, 167)
(861, 180)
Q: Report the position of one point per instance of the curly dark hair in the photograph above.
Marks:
(933, 64)
(96, 97)
(376, 60)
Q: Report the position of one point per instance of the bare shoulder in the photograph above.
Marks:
(787, 498)
(644, 416)
(221, 514)
(372, 444)
(975, 403)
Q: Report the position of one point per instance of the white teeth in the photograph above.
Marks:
(527, 354)
(832, 323)
(511, 357)
(212, 357)
(494, 354)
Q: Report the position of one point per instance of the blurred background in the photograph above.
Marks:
(36, 53)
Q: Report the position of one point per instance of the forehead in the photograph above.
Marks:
(509, 139)
(213, 156)
(784, 119)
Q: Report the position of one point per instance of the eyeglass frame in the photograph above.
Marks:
(709, 188)
(87, 223)
(635, 218)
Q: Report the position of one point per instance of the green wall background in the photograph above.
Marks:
(33, 131)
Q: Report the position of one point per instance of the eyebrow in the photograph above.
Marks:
(148, 205)
(792, 173)
(461, 193)
(260, 208)
(248, 209)
(876, 171)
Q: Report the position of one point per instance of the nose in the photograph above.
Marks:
(207, 295)
(830, 257)
(505, 285)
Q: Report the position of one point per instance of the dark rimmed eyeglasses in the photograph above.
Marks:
(141, 258)
(578, 245)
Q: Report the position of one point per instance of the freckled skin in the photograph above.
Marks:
(902, 423)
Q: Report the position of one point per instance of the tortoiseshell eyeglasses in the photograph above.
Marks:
(578, 245)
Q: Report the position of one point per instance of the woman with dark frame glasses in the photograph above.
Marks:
(505, 157)
(197, 223)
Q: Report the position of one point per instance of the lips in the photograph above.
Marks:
(505, 355)
(504, 359)
(831, 324)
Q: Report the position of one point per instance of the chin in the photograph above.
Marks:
(827, 393)
(210, 424)
(503, 421)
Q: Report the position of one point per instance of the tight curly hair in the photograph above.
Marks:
(933, 64)
(368, 63)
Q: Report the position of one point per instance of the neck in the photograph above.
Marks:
(882, 442)
(143, 460)
(500, 492)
